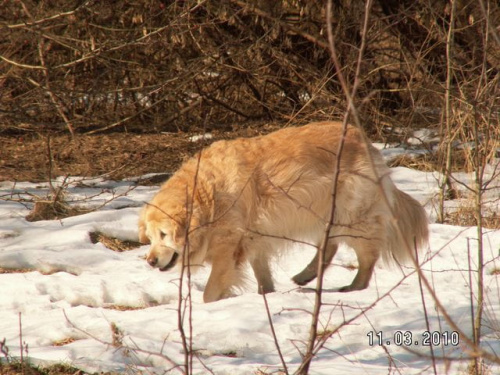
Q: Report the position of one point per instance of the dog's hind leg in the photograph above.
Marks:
(311, 271)
(367, 257)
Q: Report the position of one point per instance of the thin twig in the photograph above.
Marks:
(21, 349)
(426, 316)
(275, 338)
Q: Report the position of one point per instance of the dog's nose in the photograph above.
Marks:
(152, 261)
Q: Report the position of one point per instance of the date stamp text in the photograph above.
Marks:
(409, 338)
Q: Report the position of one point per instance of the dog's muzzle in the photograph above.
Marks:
(153, 262)
(171, 263)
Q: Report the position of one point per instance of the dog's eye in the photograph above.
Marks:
(162, 235)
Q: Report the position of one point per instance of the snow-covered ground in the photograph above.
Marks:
(77, 292)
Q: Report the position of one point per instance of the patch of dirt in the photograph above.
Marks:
(116, 155)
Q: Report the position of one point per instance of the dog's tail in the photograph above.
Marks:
(409, 233)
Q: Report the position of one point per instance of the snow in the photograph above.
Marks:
(72, 293)
(201, 137)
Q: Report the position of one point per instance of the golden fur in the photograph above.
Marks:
(242, 200)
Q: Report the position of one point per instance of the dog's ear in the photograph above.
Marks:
(142, 227)
(179, 233)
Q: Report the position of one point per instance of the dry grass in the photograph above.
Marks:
(229, 353)
(63, 342)
(125, 308)
(53, 210)
(465, 216)
(421, 162)
(45, 272)
(113, 243)
(430, 162)
(14, 270)
(482, 368)
(17, 368)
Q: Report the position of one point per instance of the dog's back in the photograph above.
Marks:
(283, 187)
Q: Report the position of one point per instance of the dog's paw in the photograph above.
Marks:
(301, 280)
(345, 289)
(351, 288)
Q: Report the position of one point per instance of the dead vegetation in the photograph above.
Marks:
(421, 162)
(14, 270)
(117, 156)
(63, 342)
(53, 210)
(466, 216)
(127, 308)
(430, 161)
(153, 66)
(18, 368)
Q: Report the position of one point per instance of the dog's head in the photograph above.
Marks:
(170, 237)
(165, 233)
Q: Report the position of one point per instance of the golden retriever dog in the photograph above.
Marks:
(243, 200)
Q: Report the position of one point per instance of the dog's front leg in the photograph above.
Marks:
(260, 266)
(226, 257)
(224, 275)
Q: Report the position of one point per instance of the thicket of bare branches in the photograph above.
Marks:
(153, 65)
